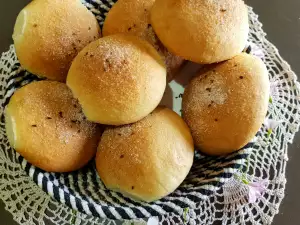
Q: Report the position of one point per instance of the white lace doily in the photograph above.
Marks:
(29, 204)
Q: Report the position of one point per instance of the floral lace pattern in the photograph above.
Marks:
(25, 198)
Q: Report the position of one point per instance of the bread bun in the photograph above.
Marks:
(118, 79)
(48, 34)
(226, 106)
(201, 31)
(45, 124)
(146, 160)
(137, 22)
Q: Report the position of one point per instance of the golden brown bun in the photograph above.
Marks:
(137, 22)
(118, 79)
(49, 33)
(201, 31)
(226, 106)
(45, 124)
(146, 160)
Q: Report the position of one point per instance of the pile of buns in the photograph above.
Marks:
(102, 94)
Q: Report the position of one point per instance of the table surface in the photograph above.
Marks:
(281, 20)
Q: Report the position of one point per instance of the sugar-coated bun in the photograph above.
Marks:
(48, 34)
(118, 79)
(137, 22)
(226, 106)
(45, 124)
(203, 31)
(146, 160)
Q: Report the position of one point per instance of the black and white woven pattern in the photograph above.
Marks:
(83, 190)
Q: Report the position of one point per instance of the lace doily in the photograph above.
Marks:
(23, 186)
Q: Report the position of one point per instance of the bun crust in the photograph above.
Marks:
(48, 34)
(118, 79)
(150, 158)
(45, 124)
(137, 22)
(226, 106)
(201, 31)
